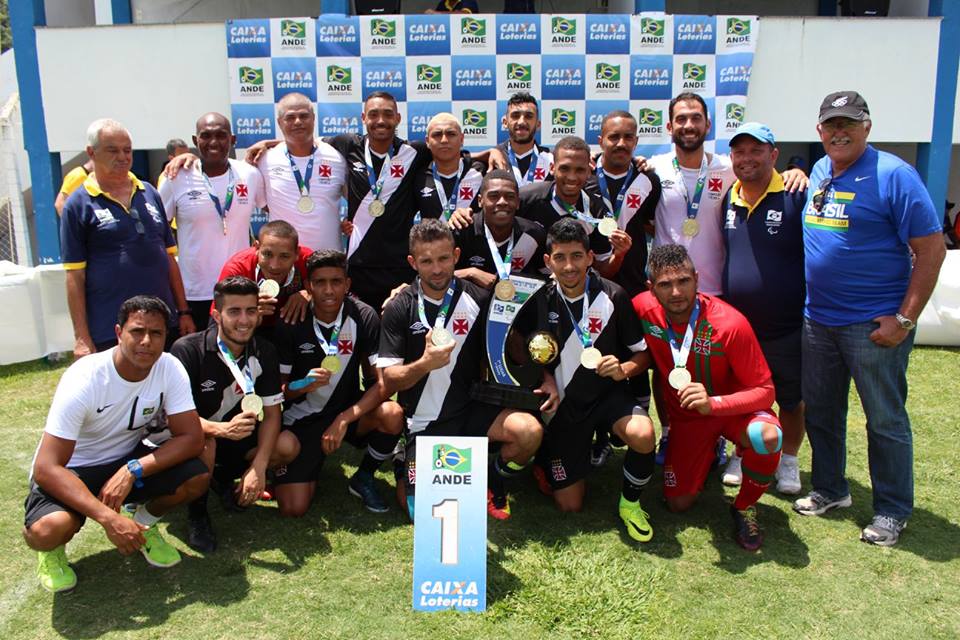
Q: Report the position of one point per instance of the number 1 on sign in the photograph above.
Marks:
(448, 512)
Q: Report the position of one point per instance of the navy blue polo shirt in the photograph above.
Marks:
(763, 268)
(99, 234)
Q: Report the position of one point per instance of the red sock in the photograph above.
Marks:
(758, 470)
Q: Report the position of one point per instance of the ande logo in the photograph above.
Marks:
(563, 31)
(735, 113)
(474, 123)
(607, 77)
(563, 122)
(650, 122)
(519, 76)
(251, 81)
(383, 32)
(738, 31)
(694, 76)
(473, 31)
(451, 465)
(339, 79)
(429, 78)
(293, 33)
(652, 31)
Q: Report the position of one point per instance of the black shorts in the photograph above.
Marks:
(373, 285)
(306, 466)
(784, 359)
(475, 422)
(566, 445)
(39, 503)
(231, 461)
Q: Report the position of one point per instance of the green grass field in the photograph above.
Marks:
(344, 573)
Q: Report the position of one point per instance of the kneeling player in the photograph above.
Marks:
(719, 385)
(592, 318)
(235, 381)
(432, 351)
(321, 359)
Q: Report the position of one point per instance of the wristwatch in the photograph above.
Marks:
(136, 470)
(905, 322)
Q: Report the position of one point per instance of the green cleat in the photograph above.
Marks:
(157, 551)
(53, 571)
(635, 518)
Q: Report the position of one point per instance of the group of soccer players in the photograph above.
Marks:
(307, 343)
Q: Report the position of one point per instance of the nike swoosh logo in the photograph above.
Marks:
(859, 178)
(642, 532)
(104, 408)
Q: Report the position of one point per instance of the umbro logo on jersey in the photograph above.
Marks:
(477, 261)
(666, 184)
(553, 317)
(426, 192)
(359, 167)
(208, 385)
(279, 171)
(307, 347)
(417, 328)
(194, 194)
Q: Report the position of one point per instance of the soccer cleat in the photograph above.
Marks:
(636, 520)
(157, 551)
(200, 535)
(362, 486)
(721, 453)
(661, 450)
(600, 453)
(53, 571)
(815, 504)
(732, 474)
(788, 476)
(884, 531)
(497, 506)
(746, 529)
(542, 483)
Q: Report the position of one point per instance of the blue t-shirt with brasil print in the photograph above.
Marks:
(857, 256)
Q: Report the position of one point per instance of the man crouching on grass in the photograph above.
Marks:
(91, 462)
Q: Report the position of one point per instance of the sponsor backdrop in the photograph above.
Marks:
(579, 66)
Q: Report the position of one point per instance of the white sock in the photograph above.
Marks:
(786, 457)
(144, 517)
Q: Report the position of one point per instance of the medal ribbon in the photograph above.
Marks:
(244, 380)
(582, 328)
(447, 207)
(572, 209)
(693, 204)
(302, 184)
(329, 348)
(614, 207)
(504, 264)
(444, 307)
(515, 164)
(376, 184)
(680, 353)
(228, 200)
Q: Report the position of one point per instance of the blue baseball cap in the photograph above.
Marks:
(755, 130)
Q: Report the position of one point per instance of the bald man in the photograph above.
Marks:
(452, 180)
(303, 176)
(211, 202)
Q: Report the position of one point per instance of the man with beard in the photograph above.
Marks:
(529, 161)
(235, 381)
(211, 204)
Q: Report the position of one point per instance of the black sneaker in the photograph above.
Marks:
(200, 534)
(362, 486)
(228, 498)
(746, 528)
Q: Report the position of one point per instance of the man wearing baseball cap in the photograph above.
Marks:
(869, 212)
(763, 278)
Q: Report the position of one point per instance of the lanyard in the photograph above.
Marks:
(681, 352)
(447, 207)
(515, 164)
(228, 200)
(303, 184)
(614, 207)
(329, 348)
(502, 264)
(581, 328)
(376, 183)
(572, 210)
(444, 307)
(244, 380)
(693, 204)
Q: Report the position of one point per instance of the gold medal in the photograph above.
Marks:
(376, 208)
(679, 378)
(304, 204)
(252, 403)
(690, 227)
(331, 364)
(505, 290)
(590, 358)
(607, 226)
(270, 288)
(441, 337)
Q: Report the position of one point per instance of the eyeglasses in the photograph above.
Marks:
(136, 216)
(820, 197)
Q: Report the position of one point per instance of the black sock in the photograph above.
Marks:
(637, 470)
(380, 446)
(198, 508)
(495, 479)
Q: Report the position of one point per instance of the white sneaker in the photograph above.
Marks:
(788, 476)
(732, 474)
